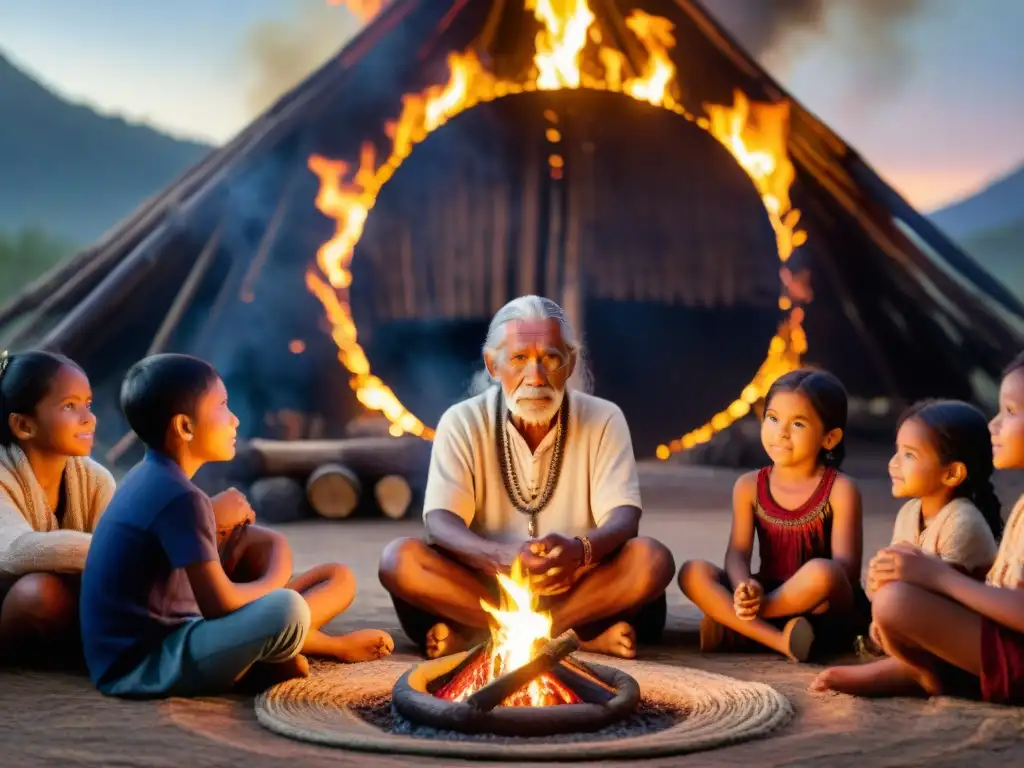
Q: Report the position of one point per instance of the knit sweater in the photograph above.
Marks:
(31, 539)
(958, 534)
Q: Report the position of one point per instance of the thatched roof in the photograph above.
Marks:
(214, 264)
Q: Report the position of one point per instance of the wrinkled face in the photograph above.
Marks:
(214, 427)
(63, 422)
(792, 432)
(1007, 428)
(916, 469)
(533, 365)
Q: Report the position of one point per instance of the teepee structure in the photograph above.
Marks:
(705, 231)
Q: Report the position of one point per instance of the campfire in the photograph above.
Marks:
(519, 633)
(520, 681)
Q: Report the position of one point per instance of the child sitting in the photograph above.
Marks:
(808, 522)
(51, 494)
(950, 632)
(943, 463)
(159, 614)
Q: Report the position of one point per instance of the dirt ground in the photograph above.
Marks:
(56, 719)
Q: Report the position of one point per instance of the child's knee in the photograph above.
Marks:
(890, 605)
(695, 572)
(285, 619)
(44, 600)
(828, 573)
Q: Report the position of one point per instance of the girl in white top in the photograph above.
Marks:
(51, 495)
(943, 464)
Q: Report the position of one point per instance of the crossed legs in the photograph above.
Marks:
(922, 632)
(818, 587)
(438, 599)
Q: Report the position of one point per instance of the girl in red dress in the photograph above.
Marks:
(807, 517)
(954, 634)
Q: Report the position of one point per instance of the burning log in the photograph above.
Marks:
(437, 685)
(278, 499)
(590, 688)
(333, 491)
(393, 495)
(490, 696)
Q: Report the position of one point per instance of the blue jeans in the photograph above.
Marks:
(206, 657)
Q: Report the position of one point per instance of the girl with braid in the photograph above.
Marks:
(943, 464)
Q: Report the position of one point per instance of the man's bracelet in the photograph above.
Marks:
(588, 550)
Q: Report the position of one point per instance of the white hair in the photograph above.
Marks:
(533, 308)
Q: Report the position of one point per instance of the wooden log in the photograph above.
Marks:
(393, 495)
(588, 688)
(278, 500)
(490, 696)
(371, 458)
(333, 491)
(441, 681)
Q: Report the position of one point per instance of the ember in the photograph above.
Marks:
(518, 633)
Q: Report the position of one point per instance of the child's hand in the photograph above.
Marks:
(231, 509)
(746, 599)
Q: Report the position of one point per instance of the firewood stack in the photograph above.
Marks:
(290, 480)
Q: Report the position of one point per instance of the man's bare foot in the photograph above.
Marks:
(442, 640)
(263, 676)
(618, 640)
(798, 637)
(362, 645)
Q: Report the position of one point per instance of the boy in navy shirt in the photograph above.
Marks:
(159, 614)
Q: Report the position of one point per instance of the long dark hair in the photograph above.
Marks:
(960, 433)
(25, 379)
(827, 397)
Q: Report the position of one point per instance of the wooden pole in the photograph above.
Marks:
(490, 696)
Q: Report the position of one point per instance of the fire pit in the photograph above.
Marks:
(554, 693)
(518, 683)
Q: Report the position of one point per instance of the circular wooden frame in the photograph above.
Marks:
(410, 698)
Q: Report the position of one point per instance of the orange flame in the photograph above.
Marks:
(518, 632)
(364, 10)
(755, 134)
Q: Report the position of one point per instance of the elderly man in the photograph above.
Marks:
(532, 470)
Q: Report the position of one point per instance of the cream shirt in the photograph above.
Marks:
(958, 534)
(1008, 569)
(598, 469)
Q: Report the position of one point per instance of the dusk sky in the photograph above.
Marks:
(944, 119)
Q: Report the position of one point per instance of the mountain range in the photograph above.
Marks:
(99, 168)
(71, 172)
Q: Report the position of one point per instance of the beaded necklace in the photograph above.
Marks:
(535, 506)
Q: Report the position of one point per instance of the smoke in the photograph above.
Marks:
(864, 34)
(279, 53)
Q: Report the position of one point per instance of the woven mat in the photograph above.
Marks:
(720, 711)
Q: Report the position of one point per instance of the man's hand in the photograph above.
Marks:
(746, 599)
(553, 563)
(503, 557)
(231, 509)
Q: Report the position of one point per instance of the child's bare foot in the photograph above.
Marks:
(884, 677)
(263, 676)
(798, 637)
(618, 640)
(442, 640)
(361, 645)
(826, 680)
